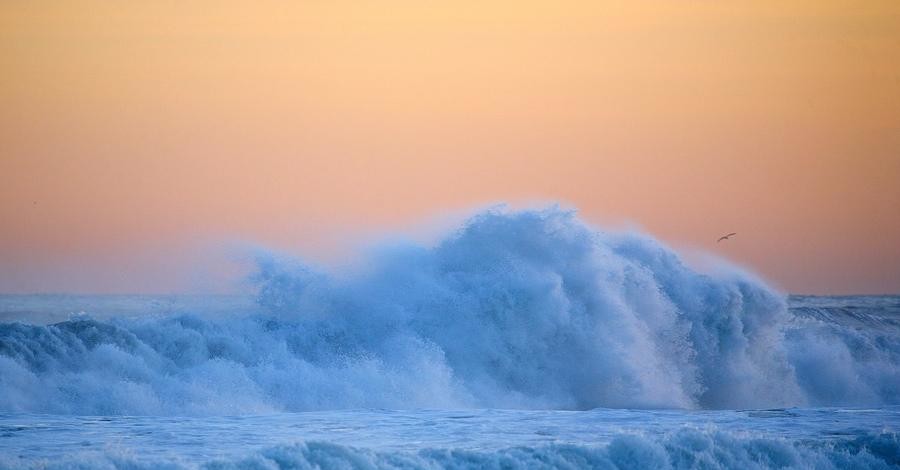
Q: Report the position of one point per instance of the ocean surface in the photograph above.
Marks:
(522, 340)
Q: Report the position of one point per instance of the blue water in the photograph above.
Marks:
(522, 340)
(602, 438)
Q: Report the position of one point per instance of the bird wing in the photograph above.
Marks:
(726, 237)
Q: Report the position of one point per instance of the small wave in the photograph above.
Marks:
(685, 449)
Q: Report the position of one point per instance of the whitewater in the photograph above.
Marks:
(524, 339)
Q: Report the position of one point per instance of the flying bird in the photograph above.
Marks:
(726, 237)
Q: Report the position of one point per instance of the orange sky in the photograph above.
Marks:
(131, 133)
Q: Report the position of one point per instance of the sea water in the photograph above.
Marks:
(523, 340)
(600, 438)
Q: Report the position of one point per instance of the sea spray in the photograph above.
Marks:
(528, 309)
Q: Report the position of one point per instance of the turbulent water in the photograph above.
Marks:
(615, 353)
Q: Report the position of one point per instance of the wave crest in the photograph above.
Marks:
(684, 449)
(530, 309)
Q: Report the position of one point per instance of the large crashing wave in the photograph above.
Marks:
(529, 309)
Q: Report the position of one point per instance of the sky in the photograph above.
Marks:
(139, 138)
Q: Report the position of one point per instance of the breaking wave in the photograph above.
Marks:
(684, 449)
(530, 309)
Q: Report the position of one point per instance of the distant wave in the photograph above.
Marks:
(530, 309)
(684, 449)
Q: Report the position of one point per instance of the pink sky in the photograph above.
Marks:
(138, 138)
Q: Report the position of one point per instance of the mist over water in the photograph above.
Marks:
(527, 309)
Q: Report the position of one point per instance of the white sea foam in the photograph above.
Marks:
(529, 309)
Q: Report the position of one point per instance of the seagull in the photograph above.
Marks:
(726, 237)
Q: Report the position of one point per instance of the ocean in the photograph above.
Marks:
(523, 340)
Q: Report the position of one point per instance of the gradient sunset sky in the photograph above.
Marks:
(134, 133)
